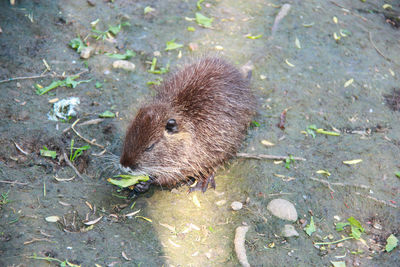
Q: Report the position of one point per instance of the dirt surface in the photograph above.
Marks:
(349, 86)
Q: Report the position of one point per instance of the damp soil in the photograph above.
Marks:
(349, 86)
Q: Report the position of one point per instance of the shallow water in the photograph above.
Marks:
(181, 233)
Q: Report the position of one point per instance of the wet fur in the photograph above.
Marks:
(212, 104)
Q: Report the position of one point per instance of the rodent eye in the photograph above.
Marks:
(149, 148)
(172, 126)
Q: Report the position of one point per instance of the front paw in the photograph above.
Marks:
(142, 187)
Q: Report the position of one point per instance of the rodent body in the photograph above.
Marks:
(195, 123)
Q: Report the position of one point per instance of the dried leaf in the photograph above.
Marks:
(324, 172)
(267, 143)
(52, 219)
(351, 162)
(335, 20)
(132, 213)
(289, 64)
(297, 43)
(349, 82)
(93, 221)
(391, 243)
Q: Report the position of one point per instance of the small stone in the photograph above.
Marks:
(123, 64)
(236, 205)
(289, 231)
(87, 52)
(282, 209)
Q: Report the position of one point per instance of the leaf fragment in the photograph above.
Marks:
(352, 162)
(324, 172)
(338, 263)
(93, 221)
(267, 143)
(297, 43)
(349, 82)
(289, 64)
(128, 180)
(310, 228)
(144, 218)
(203, 20)
(335, 20)
(171, 45)
(107, 114)
(52, 219)
(253, 37)
(148, 9)
(387, 6)
(391, 243)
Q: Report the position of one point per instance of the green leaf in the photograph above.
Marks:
(69, 81)
(340, 226)
(128, 180)
(77, 44)
(198, 4)
(254, 37)
(310, 228)
(98, 85)
(171, 45)
(391, 243)
(255, 124)
(203, 20)
(338, 263)
(148, 9)
(191, 29)
(397, 174)
(353, 222)
(54, 84)
(48, 153)
(128, 54)
(107, 114)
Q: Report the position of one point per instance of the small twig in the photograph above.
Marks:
(37, 240)
(85, 139)
(20, 149)
(347, 10)
(334, 242)
(12, 182)
(89, 122)
(377, 200)
(376, 48)
(39, 76)
(69, 163)
(340, 184)
(265, 156)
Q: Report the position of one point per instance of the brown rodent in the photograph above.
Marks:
(195, 123)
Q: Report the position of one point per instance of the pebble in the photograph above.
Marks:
(236, 205)
(288, 231)
(282, 209)
(87, 52)
(123, 64)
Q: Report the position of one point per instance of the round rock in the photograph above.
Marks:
(282, 209)
(288, 231)
(236, 205)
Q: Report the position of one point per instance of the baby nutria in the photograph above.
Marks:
(195, 123)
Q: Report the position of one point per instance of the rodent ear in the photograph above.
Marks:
(172, 126)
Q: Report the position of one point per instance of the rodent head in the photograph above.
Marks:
(156, 142)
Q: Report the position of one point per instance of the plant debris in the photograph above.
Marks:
(128, 180)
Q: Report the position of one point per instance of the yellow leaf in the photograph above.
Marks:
(335, 20)
(267, 143)
(349, 82)
(290, 64)
(351, 162)
(324, 172)
(336, 37)
(196, 201)
(387, 6)
(52, 219)
(297, 42)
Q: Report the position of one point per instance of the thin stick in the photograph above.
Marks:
(69, 163)
(376, 48)
(89, 122)
(20, 149)
(12, 182)
(366, 187)
(39, 76)
(358, 16)
(37, 240)
(85, 139)
(265, 156)
(324, 182)
(377, 200)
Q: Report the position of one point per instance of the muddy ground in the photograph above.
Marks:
(349, 86)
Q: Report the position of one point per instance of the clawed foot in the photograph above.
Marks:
(203, 184)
